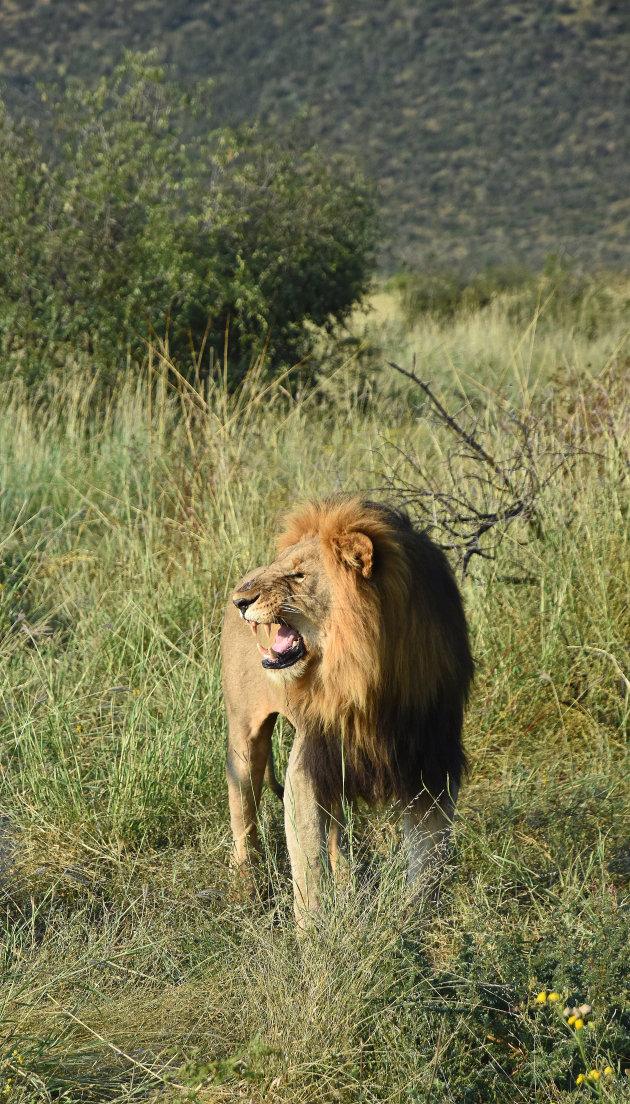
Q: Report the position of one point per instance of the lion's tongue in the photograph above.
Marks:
(286, 637)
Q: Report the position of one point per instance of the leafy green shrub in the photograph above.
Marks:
(578, 299)
(561, 295)
(444, 293)
(127, 223)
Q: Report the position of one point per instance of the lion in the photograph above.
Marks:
(356, 634)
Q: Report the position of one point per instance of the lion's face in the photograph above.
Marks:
(287, 605)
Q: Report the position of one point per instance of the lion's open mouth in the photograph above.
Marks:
(287, 647)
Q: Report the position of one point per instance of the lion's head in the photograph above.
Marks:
(360, 617)
(287, 605)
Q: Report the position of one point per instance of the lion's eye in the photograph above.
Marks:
(297, 575)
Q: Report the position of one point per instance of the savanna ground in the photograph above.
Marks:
(129, 968)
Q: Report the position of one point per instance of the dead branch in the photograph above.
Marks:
(477, 496)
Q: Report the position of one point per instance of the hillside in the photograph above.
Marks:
(497, 133)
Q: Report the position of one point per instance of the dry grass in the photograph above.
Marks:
(128, 968)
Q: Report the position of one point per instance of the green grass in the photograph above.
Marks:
(130, 970)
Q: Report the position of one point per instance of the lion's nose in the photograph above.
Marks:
(243, 603)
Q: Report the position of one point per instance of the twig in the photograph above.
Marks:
(117, 1050)
(473, 501)
(450, 421)
(625, 682)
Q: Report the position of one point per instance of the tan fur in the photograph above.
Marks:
(377, 697)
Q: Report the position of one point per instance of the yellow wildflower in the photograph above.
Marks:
(578, 1023)
(571, 1020)
(609, 1071)
(579, 1079)
(593, 1075)
(554, 997)
(541, 998)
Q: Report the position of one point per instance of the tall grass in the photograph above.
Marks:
(129, 968)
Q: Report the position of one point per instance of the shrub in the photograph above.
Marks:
(127, 222)
(445, 293)
(560, 295)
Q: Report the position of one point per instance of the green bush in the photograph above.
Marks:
(445, 293)
(126, 223)
(560, 295)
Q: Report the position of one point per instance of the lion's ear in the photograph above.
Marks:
(355, 550)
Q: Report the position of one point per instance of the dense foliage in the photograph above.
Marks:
(122, 225)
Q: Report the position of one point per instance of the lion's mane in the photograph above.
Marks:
(383, 711)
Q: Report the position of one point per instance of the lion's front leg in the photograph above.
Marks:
(306, 823)
(248, 752)
(427, 827)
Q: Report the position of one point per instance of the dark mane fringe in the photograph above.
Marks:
(420, 754)
(385, 721)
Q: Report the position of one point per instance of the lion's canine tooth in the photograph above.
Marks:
(254, 627)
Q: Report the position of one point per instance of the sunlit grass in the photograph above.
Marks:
(130, 969)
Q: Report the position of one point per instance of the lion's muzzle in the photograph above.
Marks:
(287, 648)
(283, 645)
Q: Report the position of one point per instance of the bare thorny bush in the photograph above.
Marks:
(494, 471)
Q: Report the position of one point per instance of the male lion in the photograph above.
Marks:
(355, 633)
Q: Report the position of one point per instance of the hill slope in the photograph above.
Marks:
(497, 133)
